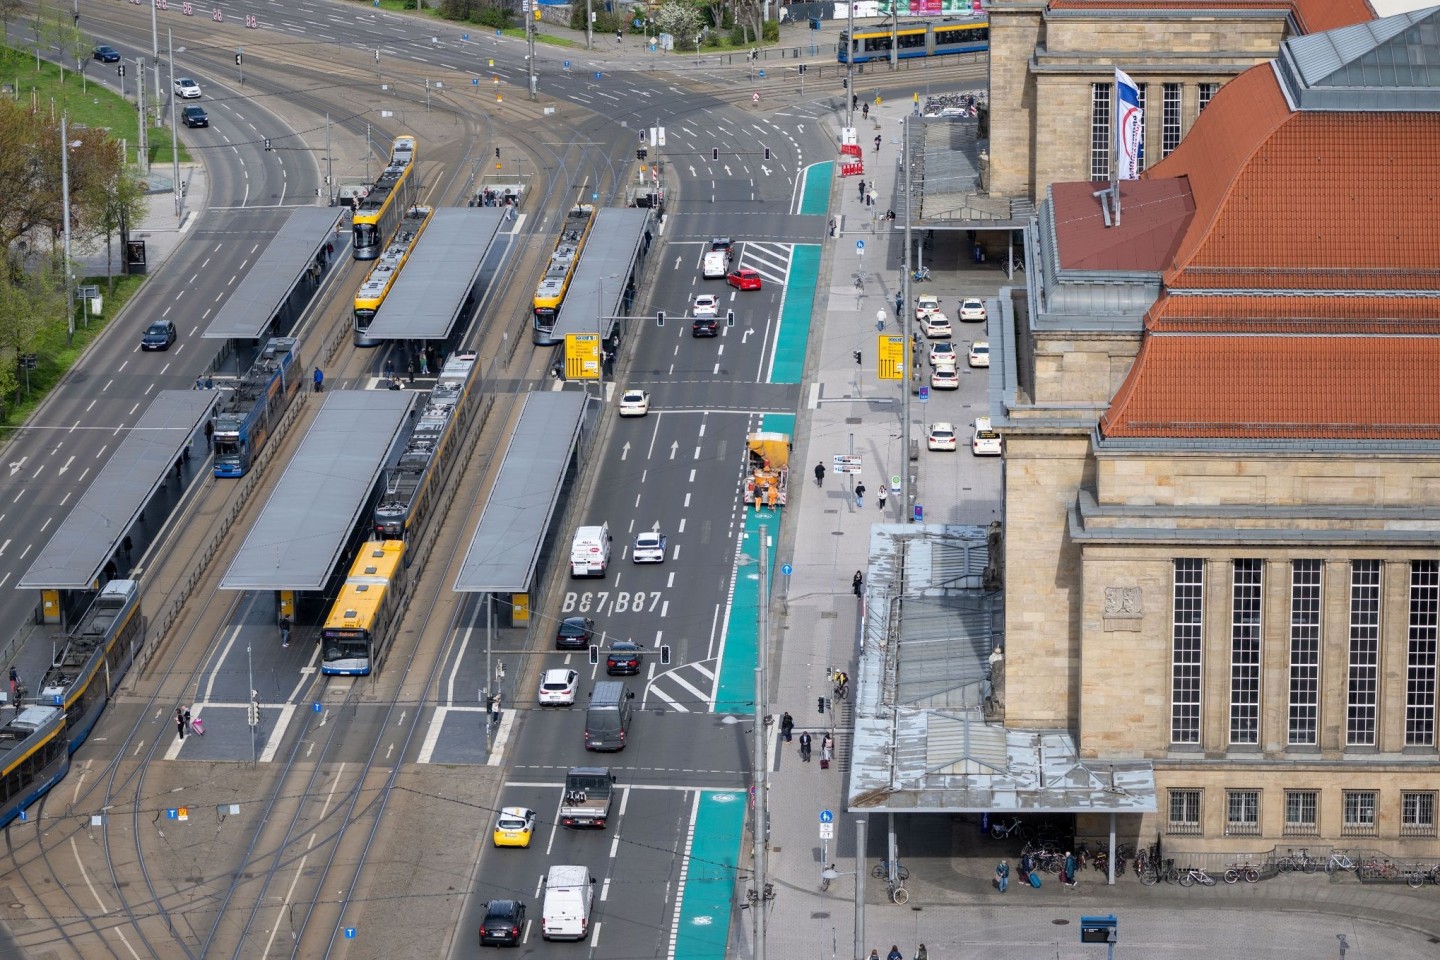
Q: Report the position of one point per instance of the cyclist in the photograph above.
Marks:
(842, 683)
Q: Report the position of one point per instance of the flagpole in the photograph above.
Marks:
(1115, 145)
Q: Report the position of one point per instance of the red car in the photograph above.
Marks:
(744, 278)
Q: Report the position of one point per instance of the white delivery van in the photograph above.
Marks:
(590, 551)
(569, 891)
(714, 265)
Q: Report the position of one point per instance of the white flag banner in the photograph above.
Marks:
(1129, 127)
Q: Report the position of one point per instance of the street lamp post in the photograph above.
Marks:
(174, 135)
(65, 225)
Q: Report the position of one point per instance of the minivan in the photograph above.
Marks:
(569, 891)
(607, 719)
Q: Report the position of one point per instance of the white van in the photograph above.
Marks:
(590, 551)
(569, 891)
(714, 266)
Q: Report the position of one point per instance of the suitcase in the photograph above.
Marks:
(824, 764)
(1035, 879)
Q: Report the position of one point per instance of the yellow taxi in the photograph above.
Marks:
(514, 827)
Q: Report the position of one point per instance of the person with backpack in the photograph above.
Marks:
(1002, 876)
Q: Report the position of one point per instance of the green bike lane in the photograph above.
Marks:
(702, 923)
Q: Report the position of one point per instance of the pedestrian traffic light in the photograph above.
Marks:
(767, 153)
(714, 153)
(641, 131)
(594, 654)
(267, 143)
(659, 318)
(237, 59)
(856, 355)
(820, 705)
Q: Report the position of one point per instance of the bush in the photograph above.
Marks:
(476, 11)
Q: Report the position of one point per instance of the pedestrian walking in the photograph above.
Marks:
(865, 112)
(424, 364)
(179, 468)
(127, 545)
(284, 630)
(860, 494)
(857, 583)
(787, 726)
(14, 682)
(209, 435)
(199, 382)
(180, 722)
(899, 303)
(870, 198)
(862, 189)
(827, 751)
(619, 38)
(209, 382)
(1069, 869)
(894, 953)
(319, 380)
(832, 226)
(877, 143)
(410, 371)
(921, 953)
(882, 495)
(805, 746)
(1002, 876)
(854, 101)
(495, 710)
(390, 368)
(819, 474)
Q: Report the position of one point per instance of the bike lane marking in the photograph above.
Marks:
(701, 927)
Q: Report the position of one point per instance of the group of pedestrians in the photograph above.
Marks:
(827, 742)
(1030, 874)
(920, 953)
(185, 723)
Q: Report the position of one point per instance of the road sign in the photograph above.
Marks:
(919, 515)
(895, 483)
(924, 394)
(859, 248)
(891, 350)
(827, 831)
(785, 571)
(760, 74)
(848, 462)
(827, 816)
(566, 64)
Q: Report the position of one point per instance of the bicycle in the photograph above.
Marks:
(897, 891)
(1338, 861)
(1242, 871)
(1015, 827)
(881, 871)
(826, 875)
(1192, 875)
(1302, 861)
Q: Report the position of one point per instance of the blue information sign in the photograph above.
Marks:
(827, 816)
(919, 514)
(860, 247)
(786, 569)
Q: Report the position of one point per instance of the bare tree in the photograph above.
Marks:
(679, 20)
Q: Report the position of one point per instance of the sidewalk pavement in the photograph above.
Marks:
(953, 908)
(160, 227)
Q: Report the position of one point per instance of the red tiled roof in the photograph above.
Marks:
(1315, 200)
(1312, 16)
(1153, 217)
(1272, 387)
(1296, 315)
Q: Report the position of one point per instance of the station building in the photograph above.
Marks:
(1222, 463)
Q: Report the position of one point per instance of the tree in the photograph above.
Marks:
(679, 20)
(119, 200)
(29, 301)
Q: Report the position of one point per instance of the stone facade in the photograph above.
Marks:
(1043, 64)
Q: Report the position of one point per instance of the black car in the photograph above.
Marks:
(158, 336)
(575, 633)
(106, 54)
(705, 327)
(195, 116)
(504, 922)
(623, 660)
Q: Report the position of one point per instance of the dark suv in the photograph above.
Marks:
(158, 336)
(623, 660)
(504, 922)
(195, 116)
(705, 327)
(574, 633)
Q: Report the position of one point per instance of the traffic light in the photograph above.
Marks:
(844, 82)
(594, 655)
(714, 153)
(856, 355)
(641, 131)
(659, 318)
(497, 153)
(802, 68)
(665, 654)
(641, 153)
(819, 704)
(267, 143)
(767, 153)
(238, 59)
(729, 318)
(254, 714)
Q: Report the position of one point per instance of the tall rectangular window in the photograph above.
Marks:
(1362, 683)
(1100, 137)
(1417, 814)
(1359, 814)
(1242, 813)
(1300, 807)
(1420, 654)
(1304, 651)
(1140, 160)
(1185, 648)
(1184, 813)
(1207, 93)
(1170, 120)
(1245, 651)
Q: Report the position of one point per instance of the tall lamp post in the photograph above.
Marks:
(65, 225)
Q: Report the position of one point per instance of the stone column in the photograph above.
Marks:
(1334, 655)
(1275, 659)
